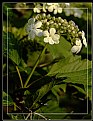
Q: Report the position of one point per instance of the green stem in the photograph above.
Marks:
(37, 62)
(19, 76)
(40, 115)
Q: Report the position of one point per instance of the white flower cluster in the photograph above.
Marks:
(49, 7)
(57, 8)
(33, 29)
(54, 7)
(51, 28)
(78, 44)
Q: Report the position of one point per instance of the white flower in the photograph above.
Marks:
(84, 42)
(36, 10)
(76, 48)
(77, 13)
(83, 34)
(55, 7)
(57, 10)
(32, 28)
(44, 7)
(67, 4)
(51, 37)
(84, 39)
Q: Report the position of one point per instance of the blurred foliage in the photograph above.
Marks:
(61, 80)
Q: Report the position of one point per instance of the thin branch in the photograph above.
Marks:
(40, 115)
(19, 76)
(37, 62)
(29, 115)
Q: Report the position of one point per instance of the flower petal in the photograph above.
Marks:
(56, 37)
(49, 3)
(46, 40)
(39, 32)
(83, 34)
(84, 42)
(78, 42)
(31, 21)
(38, 24)
(59, 10)
(50, 8)
(46, 33)
(55, 11)
(27, 28)
(31, 34)
(79, 48)
(74, 49)
(52, 31)
(56, 41)
(36, 10)
(50, 40)
(67, 4)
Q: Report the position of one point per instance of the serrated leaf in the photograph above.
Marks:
(75, 69)
(7, 100)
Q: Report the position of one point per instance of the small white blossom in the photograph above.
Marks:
(67, 4)
(44, 7)
(83, 34)
(76, 48)
(57, 10)
(36, 10)
(84, 39)
(84, 42)
(51, 37)
(78, 13)
(55, 7)
(32, 28)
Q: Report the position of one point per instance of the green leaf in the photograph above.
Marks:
(61, 50)
(9, 42)
(6, 102)
(52, 110)
(43, 90)
(90, 92)
(55, 89)
(11, 47)
(75, 69)
(14, 56)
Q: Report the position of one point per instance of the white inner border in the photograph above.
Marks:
(87, 66)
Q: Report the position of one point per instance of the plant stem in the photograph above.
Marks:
(19, 76)
(40, 115)
(27, 116)
(15, 107)
(37, 62)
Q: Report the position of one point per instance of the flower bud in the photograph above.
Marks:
(48, 23)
